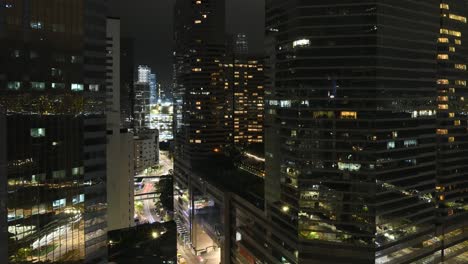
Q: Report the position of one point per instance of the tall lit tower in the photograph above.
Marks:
(52, 84)
(202, 101)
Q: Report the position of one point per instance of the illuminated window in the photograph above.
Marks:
(38, 85)
(451, 139)
(460, 66)
(58, 85)
(442, 98)
(443, 81)
(458, 18)
(301, 43)
(450, 32)
(77, 171)
(391, 145)
(198, 2)
(443, 106)
(57, 204)
(458, 42)
(460, 82)
(443, 56)
(38, 132)
(452, 49)
(78, 199)
(410, 143)
(196, 69)
(457, 122)
(56, 72)
(442, 131)
(348, 115)
(77, 87)
(198, 21)
(444, 6)
(349, 166)
(76, 59)
(36, 24)
(14, 86)
(451, 114)
(94, 87)
(443, 40)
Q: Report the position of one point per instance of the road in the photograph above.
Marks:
(148, 204)
(186, 254)
(166, 163)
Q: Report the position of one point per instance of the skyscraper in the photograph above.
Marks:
(366, 131)
(141, 107)
(52, 79)
(202, 100)
(145, 95)
(153, 88)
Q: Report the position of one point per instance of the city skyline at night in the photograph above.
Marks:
(234, 131)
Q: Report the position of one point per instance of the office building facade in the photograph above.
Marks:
(246, 79)
(52, 80)
(365, 132)
(146, 150)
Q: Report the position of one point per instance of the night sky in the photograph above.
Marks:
(149, 22)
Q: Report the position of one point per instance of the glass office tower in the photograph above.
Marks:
(52, 85)
(366, 130)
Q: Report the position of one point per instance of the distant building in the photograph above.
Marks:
(153, 89)
(145, 95)
(141, 107)
(120, 153)
(241, 44)
(144, 73)
(162, 116)
(146, 149)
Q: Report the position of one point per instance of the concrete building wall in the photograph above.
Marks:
(120, 181)
(146, 150)
(119, 141)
